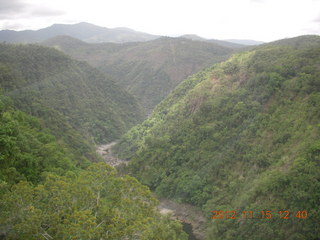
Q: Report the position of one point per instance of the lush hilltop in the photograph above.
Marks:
(240, 136)
(46, 83)
(148, 70)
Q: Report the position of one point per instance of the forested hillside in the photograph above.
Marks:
(69, 95)
(241, 136)
(45, 193)
(148, 70)
(50, 109)
(27, 149)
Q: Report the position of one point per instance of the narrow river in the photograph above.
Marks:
(192, 218)
(188, 229)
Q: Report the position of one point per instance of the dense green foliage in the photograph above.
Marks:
(94, 204)
(45, 83)
(27, 149)
(44, 194)
(149, 70)
(49, 188)
(242, 135)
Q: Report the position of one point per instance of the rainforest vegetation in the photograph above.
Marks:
(52, 109)
(148, 70)
(238, 140)
(46, 83)
(242, 135)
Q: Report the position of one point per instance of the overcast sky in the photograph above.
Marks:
(264, 20)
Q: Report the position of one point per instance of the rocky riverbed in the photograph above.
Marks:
(185, 213)
(105, 151)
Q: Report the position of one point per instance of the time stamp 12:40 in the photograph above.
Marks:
(259, 215)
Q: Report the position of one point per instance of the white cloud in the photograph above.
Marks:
(222, 19)
(9, 9)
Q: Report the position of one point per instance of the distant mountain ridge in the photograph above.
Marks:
(91, 33)
(220, 42)
(232, 43)
(246, 42)
(84, 31)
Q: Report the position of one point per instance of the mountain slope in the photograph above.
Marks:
(240, 136)
(27, 149)
(45, 193)
(149, 70)
(84, 31)
(47, 84)
(49, 188)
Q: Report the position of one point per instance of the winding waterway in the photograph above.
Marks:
(192, 218)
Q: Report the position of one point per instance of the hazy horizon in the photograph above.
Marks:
(260, 20)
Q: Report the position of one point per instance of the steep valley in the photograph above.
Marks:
(53, 185)
(231, 144)
(241, 136)
(187, 214)
(148, 70)
(42, 80)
